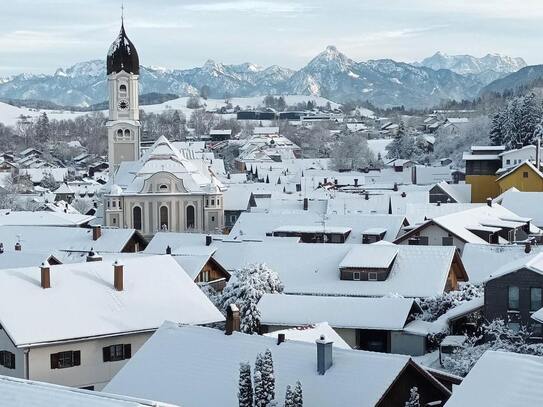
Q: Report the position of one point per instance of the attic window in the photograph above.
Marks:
(525, 174)
(163, 187)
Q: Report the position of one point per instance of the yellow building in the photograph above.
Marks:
(482, 163)
(482, 187)
(524, 177)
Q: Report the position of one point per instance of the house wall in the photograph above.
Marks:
(482, 187)
(435, 235)
(515, 157)
(7, 344)
(407, 344)
(93, 371)
(398, 393)
(497, 295)
(534, 182)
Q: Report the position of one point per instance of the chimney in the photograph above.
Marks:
(118, 271)
(1, 248)
(92, 256)
(367, 196)
(489, 201)
(324, 354)
(528, 247)
(168, 250)
(325, 181)
(45, 275)
(280, 338)
(395, 187)
(356, 182)
(438, 203)
(18, 247)
(404, 194)
(306, 204)
(232, 319)
(96, 232)
(209, 240)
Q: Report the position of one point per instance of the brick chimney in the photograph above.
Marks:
(96, 232)
(232, 319)
(118, 275)
(18, 247)
(280, 338)
(45, 275)
(324, 354)
(92, 256)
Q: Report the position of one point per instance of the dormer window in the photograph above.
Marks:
(163, 188)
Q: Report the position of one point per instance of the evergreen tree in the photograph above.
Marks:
(529, 119)
(260, 393)
(268, 376)
(497, 128)
(245, 391)
(43, 129)
(414, 399)
(289, 397)
(298, 395)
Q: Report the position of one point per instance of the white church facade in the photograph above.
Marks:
(163, 190)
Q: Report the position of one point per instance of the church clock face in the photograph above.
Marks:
(123, 105)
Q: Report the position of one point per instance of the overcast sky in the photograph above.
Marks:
(41, 35)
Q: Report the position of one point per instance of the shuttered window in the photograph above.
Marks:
(117, 352)
(7, 359)
(65, 359)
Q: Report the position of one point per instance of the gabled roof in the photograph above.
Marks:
(368, 256)
(42, 218)
(526, 204)
(25, 393)
(340, 312)
(174, 351)
(156, 289)
(533, 263)
(501, 379)
(516, 168)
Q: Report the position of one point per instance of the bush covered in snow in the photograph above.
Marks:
(498, 337)
(434, 307)
(245, 289)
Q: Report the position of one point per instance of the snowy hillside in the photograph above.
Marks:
(10, 114)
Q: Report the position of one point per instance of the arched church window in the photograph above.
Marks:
(119, 133)
(190, 217)
(136, 217)
(164, 218)
(127, 134)
(122, 88)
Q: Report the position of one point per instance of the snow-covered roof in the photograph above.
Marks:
(525, 162)
(501, 379)
(312, 229)
(461, 193)
(419, 212)
(156, 289)
(367, 256)
(533, 263)
(174, 351)
(310, 333)
(426, 175)
(42, 218)
(236, 198)
(458, 223)
(538, 315)
(25, 393)
(482, 260)
(49, 239)
(164, 157)
(255, 224)
(340, 312)
(526, 204)
(306, 268)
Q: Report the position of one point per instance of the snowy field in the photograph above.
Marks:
(378, 146)
(9, 114)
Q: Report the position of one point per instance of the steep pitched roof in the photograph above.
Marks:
(175, 350)
(156, 289)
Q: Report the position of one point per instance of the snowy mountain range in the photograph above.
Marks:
(330, 74)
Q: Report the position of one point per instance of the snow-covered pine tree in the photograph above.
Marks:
(298, 395)
(529, 118)
(268, 376)
(414, 399)
(245, 390)
(497, 129)
(260, 398)
(289, 397)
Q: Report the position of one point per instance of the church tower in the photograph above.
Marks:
(123, 126)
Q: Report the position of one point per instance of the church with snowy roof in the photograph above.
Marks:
(164, 189)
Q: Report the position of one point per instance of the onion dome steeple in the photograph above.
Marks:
(122, 55)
